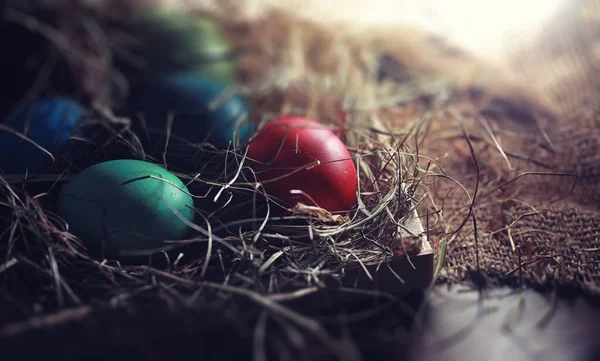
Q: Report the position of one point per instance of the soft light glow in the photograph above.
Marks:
(483, 26)
(480, 26)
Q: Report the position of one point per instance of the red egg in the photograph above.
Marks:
(298, 154)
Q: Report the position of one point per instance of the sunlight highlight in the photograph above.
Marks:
(483, 26)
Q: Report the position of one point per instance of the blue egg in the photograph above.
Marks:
(48, 122)
(203, 109)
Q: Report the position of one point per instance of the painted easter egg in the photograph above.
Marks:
(299, 154)
(202, 110)
(125, 205)
(48, 122)
(170, 41)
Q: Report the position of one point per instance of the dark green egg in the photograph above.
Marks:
(126, 205)
(171, 41)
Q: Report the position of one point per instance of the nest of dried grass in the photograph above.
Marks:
(263, 278)
(240, 246)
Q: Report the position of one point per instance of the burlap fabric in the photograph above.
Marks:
(537, 230)
(538, 223)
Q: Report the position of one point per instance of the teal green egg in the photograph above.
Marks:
(173, 41)
(126, 205)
